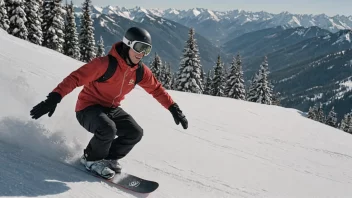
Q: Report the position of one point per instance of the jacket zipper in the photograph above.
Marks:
(123, 81)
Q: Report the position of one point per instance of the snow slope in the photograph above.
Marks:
(231, 148)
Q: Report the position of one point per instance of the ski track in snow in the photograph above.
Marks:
(26, 174)
(203, 185)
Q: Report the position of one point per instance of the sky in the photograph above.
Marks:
(233, 149)
(331, 8)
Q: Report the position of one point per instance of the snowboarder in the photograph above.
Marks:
(98, 106)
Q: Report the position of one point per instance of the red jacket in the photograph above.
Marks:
(111, 92)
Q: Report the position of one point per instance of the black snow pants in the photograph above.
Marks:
(107, 123)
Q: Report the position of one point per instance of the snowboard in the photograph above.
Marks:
(129, 182)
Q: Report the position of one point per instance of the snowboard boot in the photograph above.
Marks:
(100, 167)
(114, 165)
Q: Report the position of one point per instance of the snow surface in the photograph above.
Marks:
(98, 9)
(231, 149)
(343, 38)
(196, 12)
(347, 84)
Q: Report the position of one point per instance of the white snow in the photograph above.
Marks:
(347, 84)
(330, 67)
(157, 12)
(143, 10)
(126, 15)
(174, 11)
(294, 21)
(334, 25)
(98, 9)
(108, 10)
(151, 18)
(231, 149)
(316, 97)
(288, 78)
(102, 22)
(343, 38)
(345, 87)
(327, 37)
(213, 16)
(271, 36)
(195, 12)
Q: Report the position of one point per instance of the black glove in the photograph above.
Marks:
(47, 106)
(178, 115)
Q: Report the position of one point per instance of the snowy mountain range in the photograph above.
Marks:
(233, 149)
(311, 49)
(222, 26)
(261, 42)
(304, 62)
(285, 48)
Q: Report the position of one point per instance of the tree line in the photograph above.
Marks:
(316, 113)
(50, 24)
(218, 81)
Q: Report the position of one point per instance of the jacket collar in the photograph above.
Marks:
(122, 63)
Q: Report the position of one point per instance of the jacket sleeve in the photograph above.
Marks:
(151, 85)
(83, 75)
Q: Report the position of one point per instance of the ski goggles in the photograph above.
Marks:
(138, 46)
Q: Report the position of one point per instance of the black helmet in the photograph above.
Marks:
(138, 39)
(138, 34)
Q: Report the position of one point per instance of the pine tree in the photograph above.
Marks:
(226, 70)
(17, 18)
(173, 80)
(276, 99)
(53, 25)
(252, 90)
(349, 124)
(331, 120)
(168, 77)
(163, 73)
(34, 23)
(225, 77)
(262, 86)
(155, 67)
(320, 115)
(40, 16)
(190, 70)
(218, 80)
(346, 122)
(311, 113)
(86, 35)
(71, 46)
(47, 20)
(101, 49)
(203, 76)
(208, 87)
(235, 83)
(227, 74)
(4, 19)
(316, 112)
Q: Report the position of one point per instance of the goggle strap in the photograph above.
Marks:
(126, 41)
